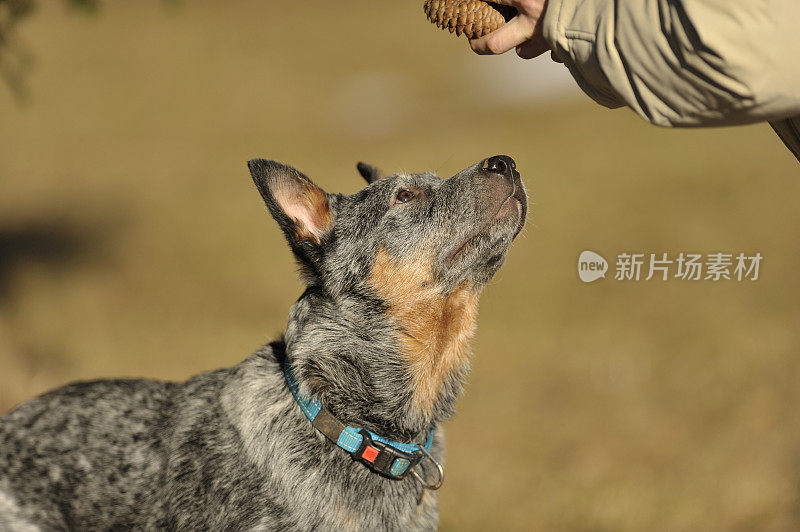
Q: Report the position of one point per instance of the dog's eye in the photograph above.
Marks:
(403, 196)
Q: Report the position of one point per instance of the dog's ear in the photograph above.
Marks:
(300, 207)
(369, 172)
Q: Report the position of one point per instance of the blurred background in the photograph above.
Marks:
(133, 243)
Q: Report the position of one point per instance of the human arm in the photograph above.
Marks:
(675, 63)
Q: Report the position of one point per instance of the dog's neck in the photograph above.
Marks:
(371, 373)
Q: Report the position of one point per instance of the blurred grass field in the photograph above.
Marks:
(132, 243)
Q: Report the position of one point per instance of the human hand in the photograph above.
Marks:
(523, 32)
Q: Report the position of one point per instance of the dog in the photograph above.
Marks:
(336, 426)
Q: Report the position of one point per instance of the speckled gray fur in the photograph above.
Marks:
(230, 449)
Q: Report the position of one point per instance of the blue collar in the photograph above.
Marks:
(389, 458)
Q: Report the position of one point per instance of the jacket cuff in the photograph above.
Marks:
(572, 27)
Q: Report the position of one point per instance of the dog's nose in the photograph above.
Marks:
(501, 164)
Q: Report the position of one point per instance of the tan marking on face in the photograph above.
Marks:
(307, 205)
(436, 328)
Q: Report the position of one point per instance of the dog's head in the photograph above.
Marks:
(394, 272)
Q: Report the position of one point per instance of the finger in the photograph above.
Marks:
(532, 48)
(517, 31)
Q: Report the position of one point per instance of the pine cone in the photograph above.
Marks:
(473, 18)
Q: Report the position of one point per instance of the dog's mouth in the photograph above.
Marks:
(517, 197)
(515, 204)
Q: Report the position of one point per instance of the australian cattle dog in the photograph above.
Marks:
(335, 426)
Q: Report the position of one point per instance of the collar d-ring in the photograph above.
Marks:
(439, 470)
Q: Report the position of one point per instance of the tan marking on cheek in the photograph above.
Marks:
(436, 328)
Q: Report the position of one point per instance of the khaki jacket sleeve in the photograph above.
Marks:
(686, 62)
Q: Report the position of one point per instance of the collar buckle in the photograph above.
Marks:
(384, 459)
